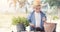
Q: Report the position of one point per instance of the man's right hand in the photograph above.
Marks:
(32, 25)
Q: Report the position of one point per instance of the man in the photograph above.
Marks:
(37, 17)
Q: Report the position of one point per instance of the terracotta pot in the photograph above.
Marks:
(49, 27)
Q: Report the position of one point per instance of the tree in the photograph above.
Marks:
(12, 2)
(22, 3)
(55, 3)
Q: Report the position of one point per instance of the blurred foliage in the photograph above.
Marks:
(22, 3)
(26, 10)
(18, 20)
(55, 17)
(53, 2)
(54, 6)
(54, 10)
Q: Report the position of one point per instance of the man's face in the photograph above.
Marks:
(37, 8)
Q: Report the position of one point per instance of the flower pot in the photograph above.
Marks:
(20, 27)
(49, 27)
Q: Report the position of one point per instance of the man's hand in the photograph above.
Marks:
(44, 19)
(32, 25)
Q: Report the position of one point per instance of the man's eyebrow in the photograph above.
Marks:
(39, 5)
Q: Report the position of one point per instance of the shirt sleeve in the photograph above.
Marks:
(29, 17)
(44, 17)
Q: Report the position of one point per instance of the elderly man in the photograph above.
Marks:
(37, 17)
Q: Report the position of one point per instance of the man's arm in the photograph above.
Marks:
(44, 18)
(29, 19)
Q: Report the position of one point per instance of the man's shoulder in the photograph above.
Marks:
(32, 12)
(42, 13)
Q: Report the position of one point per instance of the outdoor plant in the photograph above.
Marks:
(19, 20)
(55, 17)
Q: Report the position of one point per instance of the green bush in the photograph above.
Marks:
(55, 17)
(18, 20)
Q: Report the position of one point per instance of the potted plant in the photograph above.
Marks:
(20, 22)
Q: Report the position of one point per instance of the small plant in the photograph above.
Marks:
(20, 20)
(55, 17)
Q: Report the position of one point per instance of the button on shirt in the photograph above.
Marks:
(38, 19)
